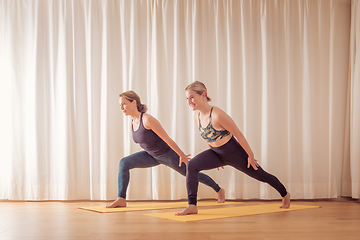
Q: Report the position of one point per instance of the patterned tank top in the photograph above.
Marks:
(210, 134)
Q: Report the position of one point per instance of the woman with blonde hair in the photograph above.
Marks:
(228, 146)
(158, 147)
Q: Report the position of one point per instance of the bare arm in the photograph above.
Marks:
(152, 123)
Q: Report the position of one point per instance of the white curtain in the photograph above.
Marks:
(351, 168)
(280, 68)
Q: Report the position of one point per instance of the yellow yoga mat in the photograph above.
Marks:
(216, 213)
(153, 206)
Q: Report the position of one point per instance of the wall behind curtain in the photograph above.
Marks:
(279, 68)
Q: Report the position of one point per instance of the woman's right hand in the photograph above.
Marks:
(184, 159)
(252, 162)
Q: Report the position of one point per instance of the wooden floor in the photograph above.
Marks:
(63, 220)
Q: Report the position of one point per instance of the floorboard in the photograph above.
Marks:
(64, 220)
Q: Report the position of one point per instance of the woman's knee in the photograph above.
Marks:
(191, 166)
(124, 163)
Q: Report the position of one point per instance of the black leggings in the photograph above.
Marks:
(231, 153)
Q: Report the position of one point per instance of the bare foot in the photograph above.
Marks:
(191, 209)
(119, 202)
(221, 196)
(286, 201)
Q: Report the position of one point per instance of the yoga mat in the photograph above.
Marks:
(153, 206)
(207, 214)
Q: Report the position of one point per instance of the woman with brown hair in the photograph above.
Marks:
(158, 147)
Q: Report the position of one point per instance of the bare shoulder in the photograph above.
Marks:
(218, 114)
(146, 116)
(222, 120)
(149, 121)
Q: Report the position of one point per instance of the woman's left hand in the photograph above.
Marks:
(253, 162)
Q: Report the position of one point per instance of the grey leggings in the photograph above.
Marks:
(231, 153)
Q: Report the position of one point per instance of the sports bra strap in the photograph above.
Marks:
(209, 116)
(211, 112)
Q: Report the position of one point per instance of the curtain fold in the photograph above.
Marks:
(278, 68)
(351, 164)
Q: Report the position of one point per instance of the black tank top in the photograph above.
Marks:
(149, 140)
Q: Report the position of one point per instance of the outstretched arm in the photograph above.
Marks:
(152, 123)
